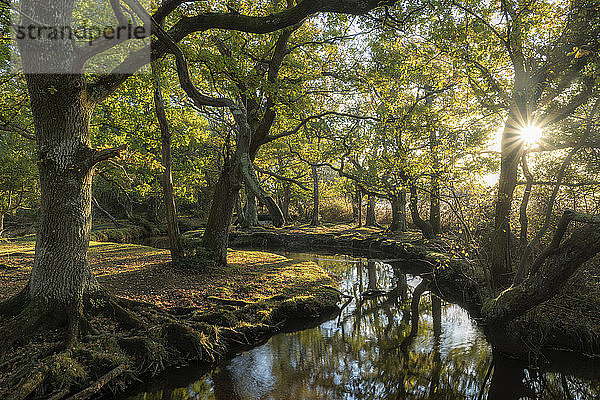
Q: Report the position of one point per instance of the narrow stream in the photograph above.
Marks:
(366, 353)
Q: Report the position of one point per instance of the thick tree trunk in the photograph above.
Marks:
(370, 219)
(315, 177)
(546, 281)
(61, 271)
(398, 213)
(177, 252)
(216, 234)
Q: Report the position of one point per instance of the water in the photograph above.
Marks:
(367, 353)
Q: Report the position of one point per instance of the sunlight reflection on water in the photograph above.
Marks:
(358, 355)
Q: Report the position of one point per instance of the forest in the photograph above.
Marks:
(390, 198)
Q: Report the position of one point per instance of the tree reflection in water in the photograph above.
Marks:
(367, 352)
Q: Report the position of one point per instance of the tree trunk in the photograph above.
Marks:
(5, 211)
(216, 233)
(61, 271)
(252, 183)
(501, 258)
(423, 225)
(359, 197)
(434, 195)
(239, 212)
(177, 252)
(105, 212)
(236, 169)
(315, 177)
(398, 213)
(250, 211)
(285, 201)
(370, 219)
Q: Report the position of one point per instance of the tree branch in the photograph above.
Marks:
(281, 177)
(105, 154)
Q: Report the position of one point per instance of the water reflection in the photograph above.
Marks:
(368, 352)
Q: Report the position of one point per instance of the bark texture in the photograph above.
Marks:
(250, 210)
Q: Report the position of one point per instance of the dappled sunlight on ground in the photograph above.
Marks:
(146, 274)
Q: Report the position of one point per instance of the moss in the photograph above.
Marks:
(315, 305)
(487, 306)
(67, 370)
(219, 317)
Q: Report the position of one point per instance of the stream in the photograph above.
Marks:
(366, 352)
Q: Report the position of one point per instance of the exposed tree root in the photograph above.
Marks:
(15, 304)
(105, 342)
(29, 383)
(21, 326)
(99, 384)
(58, 363)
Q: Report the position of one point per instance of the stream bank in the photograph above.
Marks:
(165, 317)
(568, 321)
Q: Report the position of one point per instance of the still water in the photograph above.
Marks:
(367, 352)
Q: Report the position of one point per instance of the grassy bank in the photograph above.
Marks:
(164, 316)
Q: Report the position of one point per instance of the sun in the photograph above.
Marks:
(531, 134)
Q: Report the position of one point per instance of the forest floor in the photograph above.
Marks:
(145, 274)
(202, 315)
(186, 314)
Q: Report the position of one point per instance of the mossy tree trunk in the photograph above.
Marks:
(216, 234)
(61, 109)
